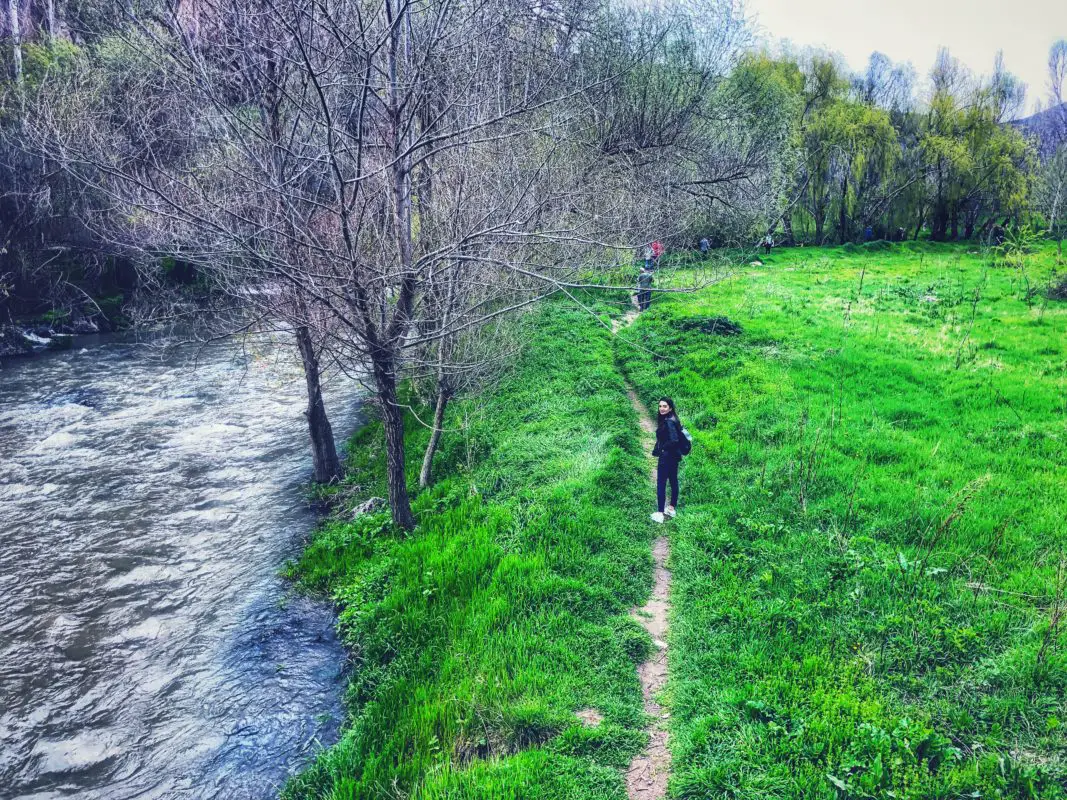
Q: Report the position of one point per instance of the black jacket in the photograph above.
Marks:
(668, 435)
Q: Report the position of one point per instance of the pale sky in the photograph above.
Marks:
(912, 30)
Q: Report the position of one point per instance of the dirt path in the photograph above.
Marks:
(646, 779)
(625, 321)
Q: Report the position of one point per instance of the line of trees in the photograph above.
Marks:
(870, 159)
(386, 183)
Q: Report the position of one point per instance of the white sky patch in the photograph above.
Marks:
(912, 30)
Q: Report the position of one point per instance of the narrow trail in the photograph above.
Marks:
(647, 776)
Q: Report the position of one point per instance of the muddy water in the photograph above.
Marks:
(147, 647)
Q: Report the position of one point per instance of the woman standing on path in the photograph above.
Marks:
(668, 449)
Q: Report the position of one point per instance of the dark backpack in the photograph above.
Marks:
(685, 442)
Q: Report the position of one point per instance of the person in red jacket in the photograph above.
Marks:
(657, 251)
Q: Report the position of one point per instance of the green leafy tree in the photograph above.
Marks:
(978, 166)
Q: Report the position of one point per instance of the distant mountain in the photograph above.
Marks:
(1048, 128)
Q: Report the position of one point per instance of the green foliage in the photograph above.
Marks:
(477, 637)
(39, 60)
(973, 159)
(1018, 245)
(867, 156)
(865, 557)
(111, 306)
(55, 315)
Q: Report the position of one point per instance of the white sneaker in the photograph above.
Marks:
(658, 516)
(669, 512)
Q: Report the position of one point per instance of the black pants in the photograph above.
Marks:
(667, 470)
(644, 298)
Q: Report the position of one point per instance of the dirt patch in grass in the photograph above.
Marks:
(590, 717)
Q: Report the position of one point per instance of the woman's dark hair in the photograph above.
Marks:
(669, 402)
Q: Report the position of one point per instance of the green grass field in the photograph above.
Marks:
(868, 558)
(869, 554)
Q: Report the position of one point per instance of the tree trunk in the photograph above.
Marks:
(435, 438)
(393, 422)
(842, 217)
(939, 226)
(16, 38)
(444, 384)
(384, 352)
(787, 225)
(1057, 228)
(939, 223)
(323, 448)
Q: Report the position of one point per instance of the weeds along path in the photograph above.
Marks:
(647, 776)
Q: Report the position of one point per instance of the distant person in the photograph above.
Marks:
(657, 251)
(901, 233)
(705, 245)
(768, 243)
(648, 256)
(644, 288)
(672, 442)
(868, 233)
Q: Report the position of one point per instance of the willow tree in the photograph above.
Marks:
(978, 166)
(858, 141)
(825, 85)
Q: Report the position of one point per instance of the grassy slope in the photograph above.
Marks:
(825, 641)
(477, 637)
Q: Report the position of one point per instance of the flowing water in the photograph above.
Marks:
(148, 647)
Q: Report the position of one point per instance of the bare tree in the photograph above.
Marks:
(1050, 189)
(14, 28)
(673, 129)
(1050, 193)
(297, 155)
(1006, 92)
(1057, 71)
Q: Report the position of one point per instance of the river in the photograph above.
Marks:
(148, 647)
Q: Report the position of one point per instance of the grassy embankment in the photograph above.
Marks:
(868, 557)
(866, 564)
(476, 638)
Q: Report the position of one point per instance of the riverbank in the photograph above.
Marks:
(494, 654)
(34, 336)
(865, 563)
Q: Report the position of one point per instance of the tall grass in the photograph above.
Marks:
(477, 637)
(869, 544)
